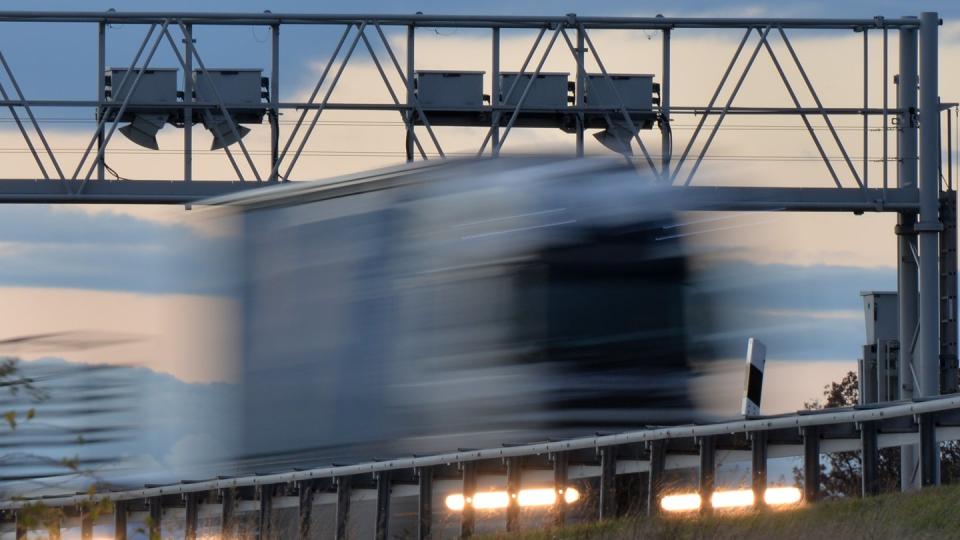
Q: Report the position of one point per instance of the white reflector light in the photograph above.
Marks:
(739, 498)
(491, 500)
(684, 502)
(455, 502)
(732, 499)
(777, 496)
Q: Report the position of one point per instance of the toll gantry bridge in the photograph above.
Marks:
(911, 174)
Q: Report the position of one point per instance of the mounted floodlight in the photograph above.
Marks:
(143, 130)
(219, 127)
(145, 104)
(617, 138)
(240, 91)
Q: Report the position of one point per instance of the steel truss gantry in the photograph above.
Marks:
(922, 194)
(570, 32)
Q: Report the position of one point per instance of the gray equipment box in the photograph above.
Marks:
(548, 91)
(636, 91)
(235, 86)
(156, 85)
(437, 89)
(881, 314)
(879, 367)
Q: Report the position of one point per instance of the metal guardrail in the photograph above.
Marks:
(653, 451)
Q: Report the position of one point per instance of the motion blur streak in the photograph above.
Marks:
(492, 500)
(684, 502)
(732, 499)
(461, 305)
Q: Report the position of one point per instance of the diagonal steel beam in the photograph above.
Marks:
(803, 117)
(526, 90)
(33, 120)
(26, 136)
(513, 85)
(415, 101)
(393, 95)
(123, 107)
(103, 117)
(726, 107)
(823, 112)
(223, 107)
(313, 96)
(713, 100)
(623, 107)
(206, 112)
(606, 116)
(326, 99)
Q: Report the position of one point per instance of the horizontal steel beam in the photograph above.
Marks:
(798, 199)
(119, 191)
(476, 21)
(694, 197)
(824, 417)
(303, 105)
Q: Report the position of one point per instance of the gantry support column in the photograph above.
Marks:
(948, 292)
(666, 136)
(907, 240)
(927, 362)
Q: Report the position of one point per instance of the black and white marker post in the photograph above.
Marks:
(753, 383)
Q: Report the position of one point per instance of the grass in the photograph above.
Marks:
(933, 513)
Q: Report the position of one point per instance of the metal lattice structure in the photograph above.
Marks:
(508, 110)
(922, 195)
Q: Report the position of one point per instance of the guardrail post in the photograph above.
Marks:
(53, 530)
(343, 505)
(870, 458)
(758, 466)
(266, 511)
(658, 460)
(467, 516)
(306, 490)
(560, 462)
(707, 471)
(929, 450)
(383, 505)
(425, 503)
(227, 503)
(514, 469)
(119, 522)
(86, 525)
(20, 529)
(811, 463)
(190, 525)
(608, 482)
(156, 516)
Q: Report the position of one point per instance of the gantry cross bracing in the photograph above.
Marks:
(915, 179)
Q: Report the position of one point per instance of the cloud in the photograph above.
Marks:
(48, 246)
(800, 313)
(165, 333)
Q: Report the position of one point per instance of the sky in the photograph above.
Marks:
(151, 272)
